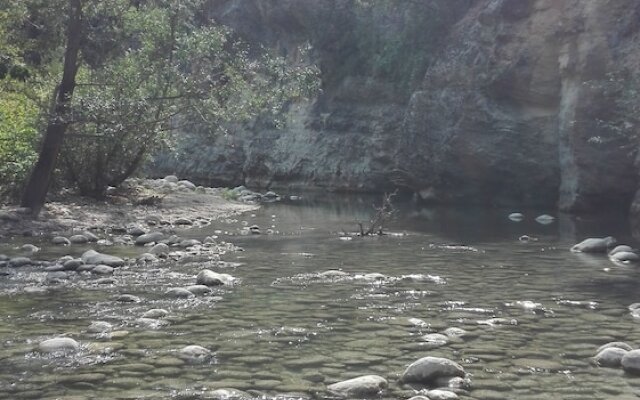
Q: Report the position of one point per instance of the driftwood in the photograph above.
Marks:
(381, 216)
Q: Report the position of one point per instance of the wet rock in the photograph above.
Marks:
(91, 237)
(610, 357)
(147, 258)
(545, 219)
(363, 386)
(59, 345)
(228, 394)
(4, 257)
(155, 313)
(631, 362)
(73, 264)
(60, 241)
(160, 249)
(195, 354)
(93, 257)
(419, 398)
(79, 239)
(187, 185)
(516, 217)
(454, 332)
(128, 298)
(189, 243)
(171, 178)
(619, 345)
(624, 257)
(56, 277)
(438, 394)
(30, 248)
(19, 262)
(9, 216)
(151, 323)
(199, 290)
(209, 278)
(149, 238)
(594, 245)
(179, 293)
(183, 221)
(136, 231)
(428, 369)
(105, 281)
(621, 248)
(54, 268)
(100, 327)
(102, 270)
(435, 339)
(254, 229)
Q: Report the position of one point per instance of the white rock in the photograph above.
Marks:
(363, 386)
(56, 345)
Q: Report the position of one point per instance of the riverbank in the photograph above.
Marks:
(141, 202)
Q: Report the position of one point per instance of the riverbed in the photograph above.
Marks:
(533, 313)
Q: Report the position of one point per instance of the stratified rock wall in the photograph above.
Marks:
(510, 105)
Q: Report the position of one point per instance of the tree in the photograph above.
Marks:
(38, 185)
(135, 71)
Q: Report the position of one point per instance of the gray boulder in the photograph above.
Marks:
(72, 265)
(594, 245)
(149, 238)
(610, 357)
(79, 239)
(428, 369)
(59, 345)
(102, 270)
(624, 257)
(93, 257)
(631, 362)
(363, 386)
(19, 262)
(621, 248)
(438, 394)
(619, 345)
(160, 249)
(179, 293)
(209, 278)
(60, 241)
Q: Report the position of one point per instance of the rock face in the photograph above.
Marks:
(491, 102)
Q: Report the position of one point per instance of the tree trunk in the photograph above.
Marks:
(38, 185)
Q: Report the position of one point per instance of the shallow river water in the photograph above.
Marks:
(534, 312)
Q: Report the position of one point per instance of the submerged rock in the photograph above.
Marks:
(516, 217)
(363, 386)
(60, 241)
(19, 262)
(59, 345)
(438, 394)
(619, 345)
(195, 353)
(155, 313)
(93, 257)
(594, 245)
(179, 293)
(621, 248)
(199, 290)
(99, 327)
(624, 257)
(427, 369)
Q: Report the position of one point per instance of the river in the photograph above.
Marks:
(534, 313)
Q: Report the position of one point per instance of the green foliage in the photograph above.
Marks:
(149, 68)
(18, 133)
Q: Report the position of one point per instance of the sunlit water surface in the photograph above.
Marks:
(287, 329)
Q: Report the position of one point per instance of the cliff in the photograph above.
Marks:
(500, 102)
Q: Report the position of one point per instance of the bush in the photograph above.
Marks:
(18, 135)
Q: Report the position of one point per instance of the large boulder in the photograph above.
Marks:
(93, 257)
(363, 386)
(594, 245)
(427, 369)
(610, 357)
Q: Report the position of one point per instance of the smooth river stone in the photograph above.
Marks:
(428, 369)
(66, 345)
(610, 357)
(631, 362)
(363, 386)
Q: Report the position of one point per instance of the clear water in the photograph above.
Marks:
(286, 329)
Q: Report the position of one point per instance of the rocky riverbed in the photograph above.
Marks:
(273, 303)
